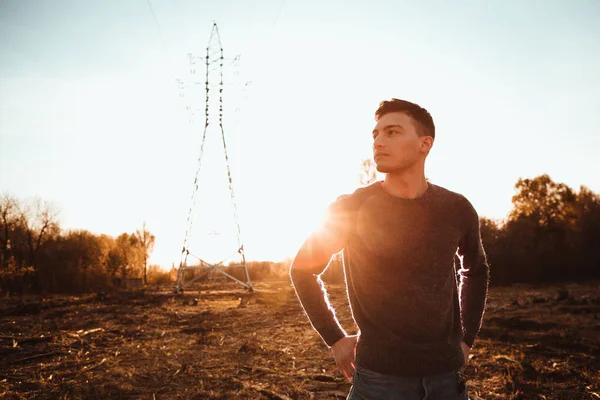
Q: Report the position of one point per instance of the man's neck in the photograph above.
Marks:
(407, 185)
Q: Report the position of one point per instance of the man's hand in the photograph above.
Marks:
(344, 352)
(465, 349)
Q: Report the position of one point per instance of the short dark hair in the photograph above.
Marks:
(421, 116)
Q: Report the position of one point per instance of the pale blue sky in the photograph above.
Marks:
(91, 118)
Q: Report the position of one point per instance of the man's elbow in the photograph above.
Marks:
(300, 267)
(480, 269)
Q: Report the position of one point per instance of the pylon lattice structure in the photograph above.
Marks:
(194, 254)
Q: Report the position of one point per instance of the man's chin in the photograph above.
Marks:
(385, 169)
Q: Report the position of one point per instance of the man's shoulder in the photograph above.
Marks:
(368, 190)
(362, 192)
(354, 199)
(453, 199)
(445, 192)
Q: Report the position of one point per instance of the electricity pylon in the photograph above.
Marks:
(214, 70)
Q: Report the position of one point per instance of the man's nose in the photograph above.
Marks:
(378, 142)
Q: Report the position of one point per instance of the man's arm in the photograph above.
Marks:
(474, 276)
(311, 260)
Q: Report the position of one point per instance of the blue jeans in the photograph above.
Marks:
(370, 385)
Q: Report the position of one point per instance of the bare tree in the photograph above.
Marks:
(368, 172)
(9, 209)
(146, 243)
(39, 219)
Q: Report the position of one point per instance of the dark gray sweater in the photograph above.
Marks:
(400, 274)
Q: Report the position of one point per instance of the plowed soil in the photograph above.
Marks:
(222, 342)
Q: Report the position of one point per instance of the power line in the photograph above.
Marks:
(162, 40)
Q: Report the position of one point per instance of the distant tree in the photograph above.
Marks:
(263, 270)
(18, 249)
(106, 244)
(87, 254)
(588, 211)
(25, 227)
(173, 272)
(146, 244)
(368, 172)
(542, 232)
(114, 259)
(9, 212)
(127, 253)
(491, 230)
(547, 203)
(39, 220)
(519, 261)
(158, 276)
(13, 250)
(491, 237)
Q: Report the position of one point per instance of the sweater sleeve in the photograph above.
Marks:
(474, 276)
(311, 260)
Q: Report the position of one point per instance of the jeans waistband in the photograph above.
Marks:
(378, 376)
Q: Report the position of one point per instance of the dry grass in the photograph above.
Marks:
(224, 343)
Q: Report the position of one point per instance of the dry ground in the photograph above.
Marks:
(224, 343)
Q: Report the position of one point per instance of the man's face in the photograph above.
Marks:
(397, 145)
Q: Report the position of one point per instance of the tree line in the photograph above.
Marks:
(36, 255)
(550, 235)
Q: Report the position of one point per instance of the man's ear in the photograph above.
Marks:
(426, 144)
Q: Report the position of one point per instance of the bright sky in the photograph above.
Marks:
(92, 120)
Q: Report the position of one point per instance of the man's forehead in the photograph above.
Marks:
(395, 118)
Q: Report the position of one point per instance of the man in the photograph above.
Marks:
(399, 238)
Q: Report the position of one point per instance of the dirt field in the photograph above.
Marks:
(223, 343)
